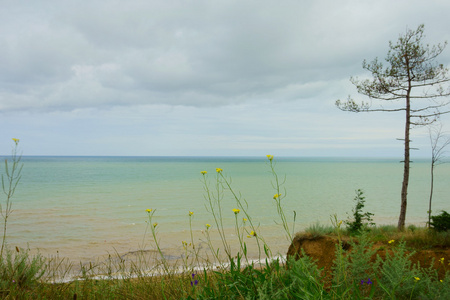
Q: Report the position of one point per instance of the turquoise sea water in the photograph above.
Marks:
(80, 207)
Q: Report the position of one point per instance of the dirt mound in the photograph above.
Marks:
(320, 248)
(323, 249)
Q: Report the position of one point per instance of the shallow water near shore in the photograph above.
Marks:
(85, 207)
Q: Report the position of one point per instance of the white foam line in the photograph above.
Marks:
(161, 271)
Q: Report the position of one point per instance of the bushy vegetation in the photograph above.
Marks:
(441, 222)
(230, 272)
(360, 220)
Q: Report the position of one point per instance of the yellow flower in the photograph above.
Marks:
(184, 243)
(416, 278)
(218, 170)
(249, 236)
(236, 210)
(244, 219)
(441, 280)
(207, 226)
(276, 196)
(149, 210)
(155, 224)
(269, 157)
(191, 213)
(391, 241)
(441, 260)
(253, 233)
(203, 172)
(15, 140)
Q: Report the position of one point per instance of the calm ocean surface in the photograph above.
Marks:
(80, 207)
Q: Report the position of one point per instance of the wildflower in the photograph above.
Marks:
(391, 241)
(369, 281)
(253, 233)
(269, 157)
(149, 210)
(15, 140)
(203, 172)
(362, 281)
(191, 213)
(195, 282)
(441, 260)
(249, 236)
(441, 280)
(416, 279)
(155, 224)
(218, 170)
(340, 223)
(207, 226)
(276, 196)
(244, 219)
(236, 210)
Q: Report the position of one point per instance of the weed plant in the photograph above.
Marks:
(360, 221)
(230, 272)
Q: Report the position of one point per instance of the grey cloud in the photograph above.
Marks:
(105, 53)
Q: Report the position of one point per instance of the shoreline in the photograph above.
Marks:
(122, 256)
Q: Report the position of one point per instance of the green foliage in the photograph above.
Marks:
(397, 273)
(412, 228)
(318, 229)
(305, 278)
(441, 222)
(20, 271)
(359, 258)
(244, 282)
(360, 220)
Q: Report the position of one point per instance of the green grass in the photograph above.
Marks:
(317, 230)
(418, 238)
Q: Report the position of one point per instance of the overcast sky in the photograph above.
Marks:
(201, 77)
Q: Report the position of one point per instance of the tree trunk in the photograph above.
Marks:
(404, 195)
(431, 191)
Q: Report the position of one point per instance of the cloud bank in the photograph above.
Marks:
(58, 58)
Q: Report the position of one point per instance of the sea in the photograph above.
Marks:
(84, 207)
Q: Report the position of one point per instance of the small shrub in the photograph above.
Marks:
(441, 222)
(359, 259)
(412, 228)
(20, 270)
(359, 220)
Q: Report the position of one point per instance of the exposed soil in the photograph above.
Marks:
(322, 249)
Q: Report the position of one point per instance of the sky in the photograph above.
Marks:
(202, 78)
